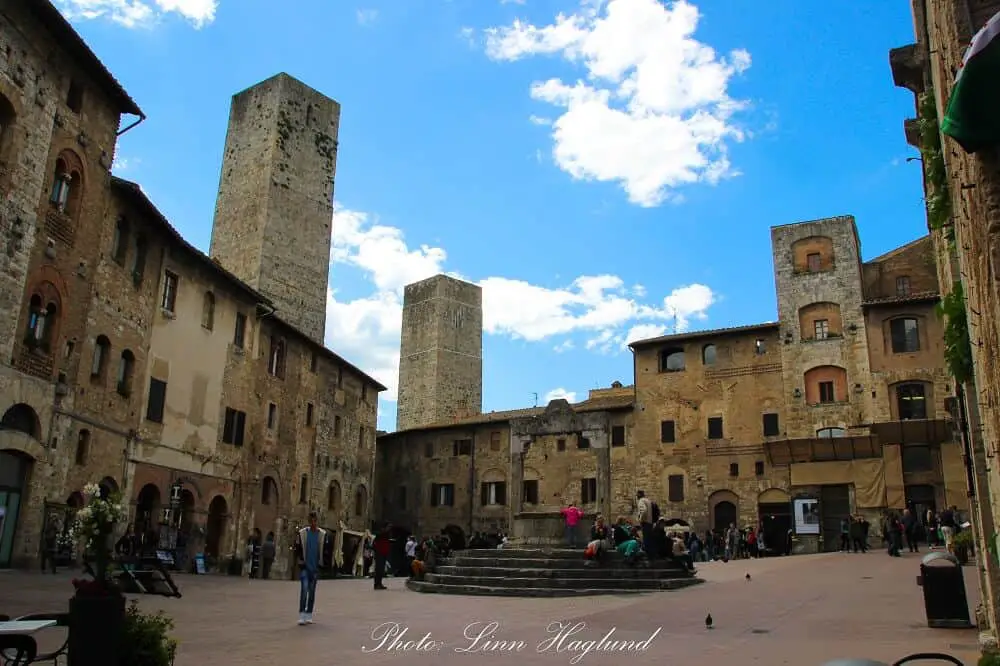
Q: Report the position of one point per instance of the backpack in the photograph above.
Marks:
(655, 509)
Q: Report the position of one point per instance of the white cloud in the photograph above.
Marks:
(653, 113)
(120, 164)
(600, 308)
(136, 13)
(539, 120)
(367, 16)
(560, 394)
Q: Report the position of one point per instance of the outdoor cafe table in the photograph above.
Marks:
(24, 627)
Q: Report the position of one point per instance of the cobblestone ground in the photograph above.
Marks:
(802, 610)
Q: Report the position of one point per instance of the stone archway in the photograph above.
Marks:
(147, 511)
(723, 509)
(108, 486)
(15, 474)
(215, 531)
(22, 418)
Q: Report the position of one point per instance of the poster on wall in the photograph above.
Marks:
(807, 516)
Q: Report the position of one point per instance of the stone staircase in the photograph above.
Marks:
(547, 573)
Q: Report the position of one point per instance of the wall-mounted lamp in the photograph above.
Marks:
(797, 393)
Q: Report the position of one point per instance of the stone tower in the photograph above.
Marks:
(441, 352)
(275, 203)
(818, 280)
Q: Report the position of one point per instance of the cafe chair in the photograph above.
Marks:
(17, 649)
(54, 657)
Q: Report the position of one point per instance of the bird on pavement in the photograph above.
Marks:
(748, 576)
(708, 621)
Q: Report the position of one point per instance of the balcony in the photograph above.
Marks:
(914, 431)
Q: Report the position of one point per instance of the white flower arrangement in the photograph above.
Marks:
(98, 516)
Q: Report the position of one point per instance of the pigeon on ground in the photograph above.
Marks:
(708, 621)
(748, 576)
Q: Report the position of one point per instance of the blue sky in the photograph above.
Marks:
(607, 175)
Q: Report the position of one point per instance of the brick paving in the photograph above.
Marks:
(802, 610)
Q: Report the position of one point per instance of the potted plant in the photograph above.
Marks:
(963, 546)
(145, 639)
(97, 609)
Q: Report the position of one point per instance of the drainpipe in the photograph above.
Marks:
(142, 117)
(963, 425)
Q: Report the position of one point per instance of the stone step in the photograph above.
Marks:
(494, 591)
(548, 563)
(515, 569)
(535, 582)
(535, 553)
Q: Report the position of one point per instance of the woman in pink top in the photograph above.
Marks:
(572, 515)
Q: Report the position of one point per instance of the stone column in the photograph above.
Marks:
(516, 488)
(599, 443)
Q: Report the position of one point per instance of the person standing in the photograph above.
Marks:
(267, 553)
(644, 513)
(381, 546)
(910, 526)
(949, 526)
(309, 553)
(571, 514)
(411, 553)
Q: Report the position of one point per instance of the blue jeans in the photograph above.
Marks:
(571, 536)
(307, 593)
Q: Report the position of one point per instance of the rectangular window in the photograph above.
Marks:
(303, 489)
(234, 427)
(903, 286)
(715, 427)
(169, 301)
(139, 261)
(428, 449)
(758, 468)
(529, 494)
(582, 442)
(821, 329)
(272, 416)
(313, 362)
(734, 469)
(494, 441)
(240, 331)
(442, 494)
(826, 392)
(813, 262)
(668, 434)
(675, 488)
(560, 445)
(336, 426)
(309, 414)
(401, 498)
(461, 447)
(618, 435)
(493, 493)
(340, 378)
(917, 458)
(905, 334)
(911, 402)
(758, 347)
(157, 400)
(588, 490)
(361, 436)
(771, 425)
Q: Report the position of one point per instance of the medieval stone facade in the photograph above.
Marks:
(135, 360)
(840, 404)
(967, 248)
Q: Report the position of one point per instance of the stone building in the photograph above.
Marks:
(963, 194)
(839, 407)
(140, 362)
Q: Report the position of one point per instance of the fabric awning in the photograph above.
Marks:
(973, 115)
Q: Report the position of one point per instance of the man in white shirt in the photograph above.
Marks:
(411, 553)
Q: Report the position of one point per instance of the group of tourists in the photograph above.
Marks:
(934, 529)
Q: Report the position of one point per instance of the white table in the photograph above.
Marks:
(25, 627)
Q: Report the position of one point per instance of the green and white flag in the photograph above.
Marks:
(973, 115)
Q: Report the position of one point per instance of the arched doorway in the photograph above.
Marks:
(22, 418)
(218, 515)
(75, 501)
(456, 536)
(109, 487)
(723, 509)
(15, 469)
(183, 524)
(147, 512)
(774, 511)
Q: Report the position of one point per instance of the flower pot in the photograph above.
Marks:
(95, 627)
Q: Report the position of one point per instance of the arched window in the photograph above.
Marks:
(102, 348)
(827, 433)
(911, 401)
(119, 242)
(276, 358)
(826, 384)
(208, 311)
(82, 447)
(303, 489)
(708, 355)
(67, 184)
(41, 323)
(333, 498)
(905, 335)
(813, 254)
(126, 368)
(7, 120)
(672, 360)
(360, 501)
(268, 491)
(139, 260)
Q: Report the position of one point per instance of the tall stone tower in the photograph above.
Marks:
(824, 355)
(275, 203)
(441, 352)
